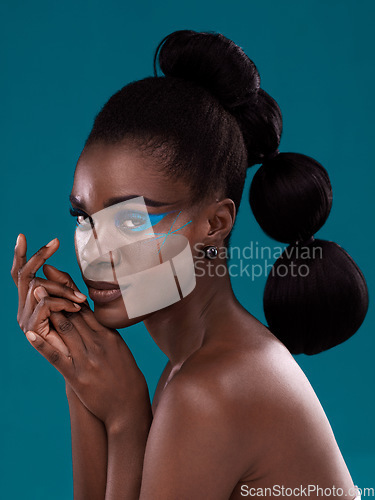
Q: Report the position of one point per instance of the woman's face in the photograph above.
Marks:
(131, 218)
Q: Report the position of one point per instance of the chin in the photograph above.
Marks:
(114, 315)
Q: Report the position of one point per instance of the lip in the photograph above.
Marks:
(101, 285)
(103, 296)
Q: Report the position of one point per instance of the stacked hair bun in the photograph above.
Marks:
(322, 299)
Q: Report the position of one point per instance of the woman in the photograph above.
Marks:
(233, 415)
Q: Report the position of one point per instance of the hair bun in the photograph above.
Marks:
(212, 61)
(315, 297)
(291, 197)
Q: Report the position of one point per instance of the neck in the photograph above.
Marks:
(182, 328)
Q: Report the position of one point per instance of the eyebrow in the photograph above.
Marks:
(119, 199)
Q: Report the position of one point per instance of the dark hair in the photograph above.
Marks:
(207, 120)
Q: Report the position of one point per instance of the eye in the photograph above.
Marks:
(129, 220)
(83, 220)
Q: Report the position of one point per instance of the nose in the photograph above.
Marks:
(90, 250)
(86, 247)
(109, 259)
(115, 256)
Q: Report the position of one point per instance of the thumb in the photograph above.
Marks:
(53, 274)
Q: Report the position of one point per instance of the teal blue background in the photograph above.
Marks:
(60, 62)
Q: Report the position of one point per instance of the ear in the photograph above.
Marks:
(221, 217)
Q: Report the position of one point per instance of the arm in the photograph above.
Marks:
(105, 388)
(113, 389)
(104, 376)
(89, 437)
(89, 450)
(126, 449)
(94, 454)
(89, 440)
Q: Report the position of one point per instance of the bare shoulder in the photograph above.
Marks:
(200, 416)
(253, 402)
(253, 388)
(245, 373)
(205, 425)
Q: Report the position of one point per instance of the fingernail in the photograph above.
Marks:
(31, 336)
(76, 305)
(52, 242)
(18, 239)
(80, 295)
(40, 292)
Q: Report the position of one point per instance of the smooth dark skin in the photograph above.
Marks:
(231, 406)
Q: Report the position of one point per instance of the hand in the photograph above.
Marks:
(100, 367)
(95, 361)
(23, 273)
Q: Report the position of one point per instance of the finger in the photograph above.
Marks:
(53, 288)
(19, 259)
(81, 323)
(62, 363)
(66, 327)
(26, 310)
(40, 323)
(56, 341)
(89, 317)
(47, 305)
(53, 338)
(57, 289)
(72, 338)
(27, 272)
(56, 275)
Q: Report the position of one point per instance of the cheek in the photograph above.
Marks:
(196, 234)
(78, 252)
(114, 314)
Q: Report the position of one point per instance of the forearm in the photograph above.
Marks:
(126, 449)
(89, 451)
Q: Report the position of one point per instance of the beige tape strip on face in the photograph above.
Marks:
(119, 246)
